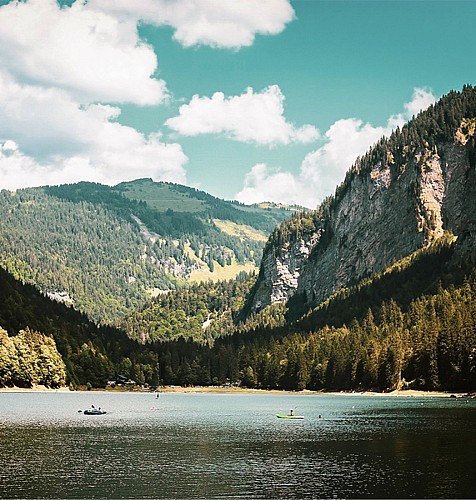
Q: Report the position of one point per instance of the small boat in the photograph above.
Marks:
(94, 411)
(281, 415)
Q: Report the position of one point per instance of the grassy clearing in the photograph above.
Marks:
(240, 230)
(162, 197)
(222, 273)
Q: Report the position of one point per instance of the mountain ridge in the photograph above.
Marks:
(401, 196)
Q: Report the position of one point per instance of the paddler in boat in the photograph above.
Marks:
(291, 412)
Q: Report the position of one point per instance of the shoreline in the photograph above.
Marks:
(237, 390)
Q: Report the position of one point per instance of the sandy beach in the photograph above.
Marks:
(239, 390)
(403, 393)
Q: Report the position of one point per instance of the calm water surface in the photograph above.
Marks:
(199, 445)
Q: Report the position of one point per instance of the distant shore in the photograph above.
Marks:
(238, 390)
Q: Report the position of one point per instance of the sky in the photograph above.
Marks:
(253, 100)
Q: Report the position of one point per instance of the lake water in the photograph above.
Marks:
(197, 445)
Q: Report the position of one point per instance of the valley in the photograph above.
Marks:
(165, 285)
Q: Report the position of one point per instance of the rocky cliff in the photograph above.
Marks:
(406, 192)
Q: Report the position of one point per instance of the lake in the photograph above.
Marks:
(207, 445)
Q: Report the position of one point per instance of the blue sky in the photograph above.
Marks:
(255, 100)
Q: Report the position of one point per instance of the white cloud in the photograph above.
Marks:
(227, 24)
(9, 146)
(65, 70)
(92, 55)
(323, 169)
(249, 117)
(261, 184)
(422, 99)
(19, 170)
(49, 138)
(57, 65)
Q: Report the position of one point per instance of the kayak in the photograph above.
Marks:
(298, 417)
(94, 411)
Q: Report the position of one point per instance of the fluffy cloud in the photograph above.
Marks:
(261, 184)
(218, 23)
(50, 138)
(61, 68)
(422, 99)
(323, 169)
(18, 169)
(249, 117)
(347, 139)
(57, 65)
(88, 53)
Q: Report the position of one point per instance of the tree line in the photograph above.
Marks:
(430, 346)
(412, 325)
(92, 354)
(428, 343)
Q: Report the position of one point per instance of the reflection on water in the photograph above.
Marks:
(232, 445)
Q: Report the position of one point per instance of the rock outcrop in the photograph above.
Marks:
(386, 209)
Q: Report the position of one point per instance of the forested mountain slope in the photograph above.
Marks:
(406, 192)
(201, 311)
(394, 330)
(374, 290)
(413, 326)
(107, 250)
(38, 327)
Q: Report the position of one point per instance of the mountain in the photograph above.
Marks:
(107, 250)
(426, 343)
(376, 289)
(408, 191)
(411, 327)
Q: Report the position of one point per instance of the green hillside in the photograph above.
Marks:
(391, 332)
(411, 325)
(164, 196)
(106, 251)
(201, 312)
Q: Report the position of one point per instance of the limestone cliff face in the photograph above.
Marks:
(382, 214)
(279, 274)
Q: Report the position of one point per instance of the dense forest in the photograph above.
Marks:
(92, 354)
(107, 254)
(201, 312)
(393, 338)
(380, 334)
